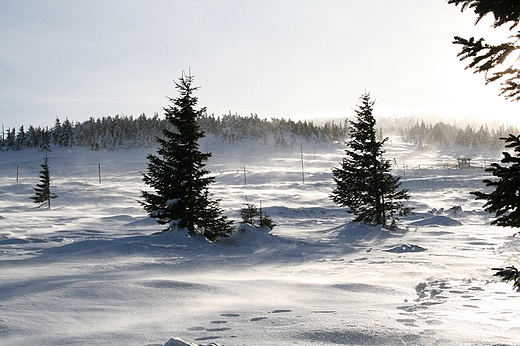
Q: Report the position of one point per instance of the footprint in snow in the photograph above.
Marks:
(204, 338)
(471, 306)
(218, 322)
(229, 315)
(438, 292)
(324, 312)
(195, 329)
(434, 322)
(217, 329)
(279, 311)
(255, 319)
(409, 322)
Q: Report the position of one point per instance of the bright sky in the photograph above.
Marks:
(276, 58)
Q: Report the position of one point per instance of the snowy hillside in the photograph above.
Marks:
(91, 271)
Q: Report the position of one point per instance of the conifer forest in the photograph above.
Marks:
(120, 131)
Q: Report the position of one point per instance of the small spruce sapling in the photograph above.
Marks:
(265, 219)
(248, 213)
(43, 189)
(254, 216)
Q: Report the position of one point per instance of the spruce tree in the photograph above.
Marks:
(255, 216)
(490, 59)
(363, 181)
(508, 274)
(248, 213)
(178, 174)
(504, 200)
(265, 219)
(43, 189)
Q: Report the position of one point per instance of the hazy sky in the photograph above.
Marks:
(281, 58)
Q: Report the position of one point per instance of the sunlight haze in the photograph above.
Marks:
(291, 59)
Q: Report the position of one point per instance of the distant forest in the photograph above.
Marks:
(447, 135)
(112, 133)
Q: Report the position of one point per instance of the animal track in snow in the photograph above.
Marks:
(217, 329)
(256, 319)
(324, 312)
(410, 322)
(465, 296)
(230, 315)
(223, 325)
(194, 329)
(218, 322)
(204, 338)
(279, 311)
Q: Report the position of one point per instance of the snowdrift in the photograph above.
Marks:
(96, 270)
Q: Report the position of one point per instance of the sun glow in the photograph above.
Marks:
(512, 60)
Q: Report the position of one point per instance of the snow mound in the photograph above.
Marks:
(130, 245)
(358, 231)
(177, 342)
(437, 220)
(248, 235)
(180, 237)
(511, 246)
(404, 248)
(143, 222)
(180, 342)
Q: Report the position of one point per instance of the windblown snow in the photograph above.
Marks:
(95, 270)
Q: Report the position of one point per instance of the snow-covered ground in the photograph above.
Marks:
(90, 272)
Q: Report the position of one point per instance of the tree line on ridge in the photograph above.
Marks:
(112, 133)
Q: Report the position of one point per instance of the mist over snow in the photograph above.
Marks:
(95, 270)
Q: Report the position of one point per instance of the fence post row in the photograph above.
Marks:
(404, 168)
(99, 173)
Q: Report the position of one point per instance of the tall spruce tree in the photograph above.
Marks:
(178, 174)
(504, 200)
(43, 189)
(363, 181)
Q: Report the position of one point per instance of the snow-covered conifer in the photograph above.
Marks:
(504, 200)
(363, 182)
(43, 189)
(178, 175)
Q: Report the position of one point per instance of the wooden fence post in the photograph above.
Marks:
(303, 172)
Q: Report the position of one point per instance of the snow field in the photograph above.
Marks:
(89, 271)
